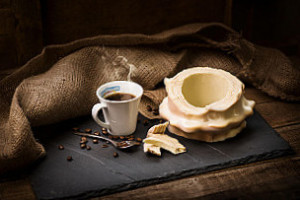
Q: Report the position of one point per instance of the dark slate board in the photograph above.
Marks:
(96, 172)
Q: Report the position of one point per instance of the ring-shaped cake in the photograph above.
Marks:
(205, 104)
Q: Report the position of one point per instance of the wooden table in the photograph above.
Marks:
(271, 179)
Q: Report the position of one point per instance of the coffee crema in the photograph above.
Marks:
(119, 96)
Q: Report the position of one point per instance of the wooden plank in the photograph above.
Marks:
(7, 22)
(4, 3)
(135, 16)
(20, 32)
(255, 179)
(8, 52)
(228, 13)
(15, 190)
(28, 30)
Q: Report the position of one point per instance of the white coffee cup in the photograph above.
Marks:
(121, 115)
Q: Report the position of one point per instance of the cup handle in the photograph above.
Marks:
(97, 107)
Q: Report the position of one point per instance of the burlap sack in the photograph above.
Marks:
(60, 83)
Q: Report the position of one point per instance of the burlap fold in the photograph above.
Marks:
(60, 83)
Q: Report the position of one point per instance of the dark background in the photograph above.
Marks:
(27, 26)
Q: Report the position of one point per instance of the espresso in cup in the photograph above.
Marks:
(119, 96)
(119, 101)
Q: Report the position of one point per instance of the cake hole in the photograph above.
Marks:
(204, 89)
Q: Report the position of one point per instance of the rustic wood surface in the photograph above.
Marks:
(116, 17)
(20, 32)
(25, 28)
(271, 179)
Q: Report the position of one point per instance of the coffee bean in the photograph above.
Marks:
(75, 129)
(116, 154)
(139, 139)
(149, 109)
(115, 137)
(122, 137)
(83, 139)
(110, 137)
(122, 144)
(130, 139)
(60, 147)
(146, 122)
(88, 148)
(95, 141)
(69, 158)
(104, 132)
(88, 130)
(104, 146)
(82, 142)
(137, 143)
(82, 146)
(97, 133)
